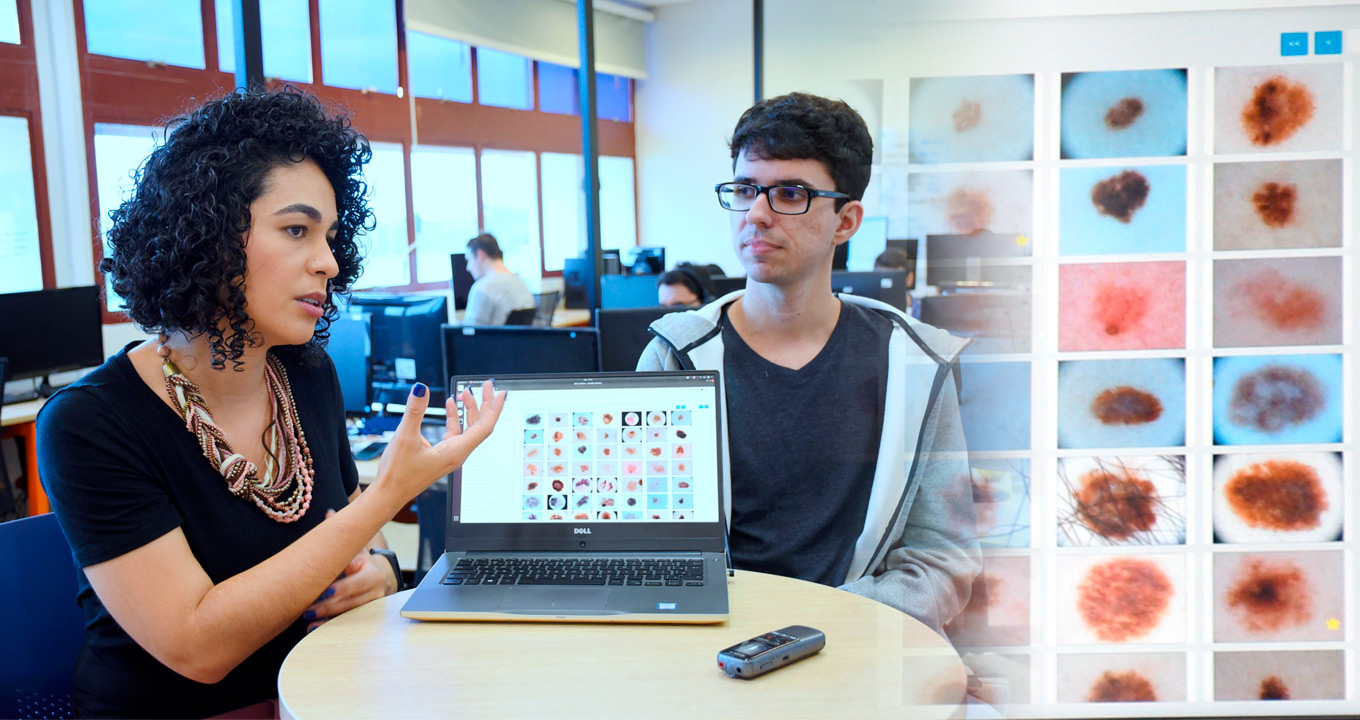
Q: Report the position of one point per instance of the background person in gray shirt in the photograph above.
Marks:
(496, 291)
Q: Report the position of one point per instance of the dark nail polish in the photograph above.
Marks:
(330, 592)
(418, 390)
(309, 616)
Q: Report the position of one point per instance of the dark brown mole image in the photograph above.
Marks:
(1123, 113)
(1121, 196)
(1270, 596)
(969, 210)
(1275, 203)
(1273, 688)
(1124, 405)
(1278, 495)
(1118, 308)
(1275, 397)
(1116, 506)
(1122, 687)
(1277, 109)
(967, 116)
(1124, 599)
(1281, 302)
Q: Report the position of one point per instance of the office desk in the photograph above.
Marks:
(20, 421)
(371, 662)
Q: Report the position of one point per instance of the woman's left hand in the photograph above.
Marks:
(366, 577)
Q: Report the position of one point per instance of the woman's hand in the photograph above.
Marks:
(410, 463)
(365, 578)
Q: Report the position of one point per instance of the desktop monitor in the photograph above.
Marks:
(405, 344)
(627, 291)
(624, 334)
(460, 280)
(982, 258)
(867, 243)
(613, 263)
(889, 286)
(644, 260)
(908, 246)
(349, 347)
(48, 331)
(505, 350)
(996, 321)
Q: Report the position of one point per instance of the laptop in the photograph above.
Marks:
(598, 498)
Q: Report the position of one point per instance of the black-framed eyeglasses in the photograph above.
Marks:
(784, 199)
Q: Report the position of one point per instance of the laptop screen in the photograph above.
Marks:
(599, 449)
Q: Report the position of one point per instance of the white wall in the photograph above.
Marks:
(698, 83)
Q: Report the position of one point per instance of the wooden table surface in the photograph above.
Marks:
(371, 662)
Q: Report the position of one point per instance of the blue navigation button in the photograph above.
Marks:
(1294, 43)
(1327, 43)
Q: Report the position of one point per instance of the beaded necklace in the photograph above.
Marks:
(284, 492)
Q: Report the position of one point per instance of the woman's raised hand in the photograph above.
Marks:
(410, 463)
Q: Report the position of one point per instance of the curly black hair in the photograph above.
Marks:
(176, 251)
(800, 126)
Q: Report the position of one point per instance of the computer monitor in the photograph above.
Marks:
(982, 258)
(627, 291)
(908, 246)
(405, 344)
(505, 350)
(624, 334)
(723, 285)
(349, 347)
(889, 286)
(996, 321)
(49, 331)
(644, 260)
(613, 263)
(460, 280)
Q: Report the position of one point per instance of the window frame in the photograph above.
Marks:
(19, 98)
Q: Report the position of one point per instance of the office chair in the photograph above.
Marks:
(523, 316)
(41, 628)
(547, 304)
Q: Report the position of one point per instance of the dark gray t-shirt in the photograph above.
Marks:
(804, 445)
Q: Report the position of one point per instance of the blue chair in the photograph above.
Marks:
(41, 628)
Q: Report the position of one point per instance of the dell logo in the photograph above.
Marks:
(581, 531)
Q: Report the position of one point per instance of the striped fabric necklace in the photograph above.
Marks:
(284, 490)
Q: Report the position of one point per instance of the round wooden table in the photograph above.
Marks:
(878, 662)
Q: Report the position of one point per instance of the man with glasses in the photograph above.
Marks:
(846, 457)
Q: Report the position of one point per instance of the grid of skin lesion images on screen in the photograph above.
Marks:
(608, 465)
(1158, 468)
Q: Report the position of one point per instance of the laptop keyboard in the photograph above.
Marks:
(671, 572)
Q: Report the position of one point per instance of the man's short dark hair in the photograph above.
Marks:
(681, 277)
(892, 258)
(799, 126)
(486, 242)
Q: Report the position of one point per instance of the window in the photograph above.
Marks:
(168, 31)
(9, 22)
(564, 223)
(558, 93)
(504, 80)
(439, 68)
(20, 251)
(510, 208)
(613, 97)
(444, 192)
(286, 34)
(359, 45)
(386, 263)
(119, 150)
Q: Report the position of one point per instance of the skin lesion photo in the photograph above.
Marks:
(1278, 108)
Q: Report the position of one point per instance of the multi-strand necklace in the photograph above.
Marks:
(284, 490)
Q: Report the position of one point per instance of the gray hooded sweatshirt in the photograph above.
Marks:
(918, 551)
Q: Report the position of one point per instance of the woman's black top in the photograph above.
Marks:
(122, 470)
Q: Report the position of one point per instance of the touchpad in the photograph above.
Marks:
(548, 599)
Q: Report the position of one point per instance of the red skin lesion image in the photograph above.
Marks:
(1124, 405)
(1269, 596)
(1277, 109)
(1275, 202)
(967, 116)
(1124, 599)
(1274, 398)
(969, 211)
(1122, 687)
(1281, 303)
(1273, 688)
(1117, 506)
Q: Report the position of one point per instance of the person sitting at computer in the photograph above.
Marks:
(896, 259)
(496, 291)
(845, 449)
(679, 288)
(203, 477)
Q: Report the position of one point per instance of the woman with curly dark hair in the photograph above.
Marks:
(195, 474)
